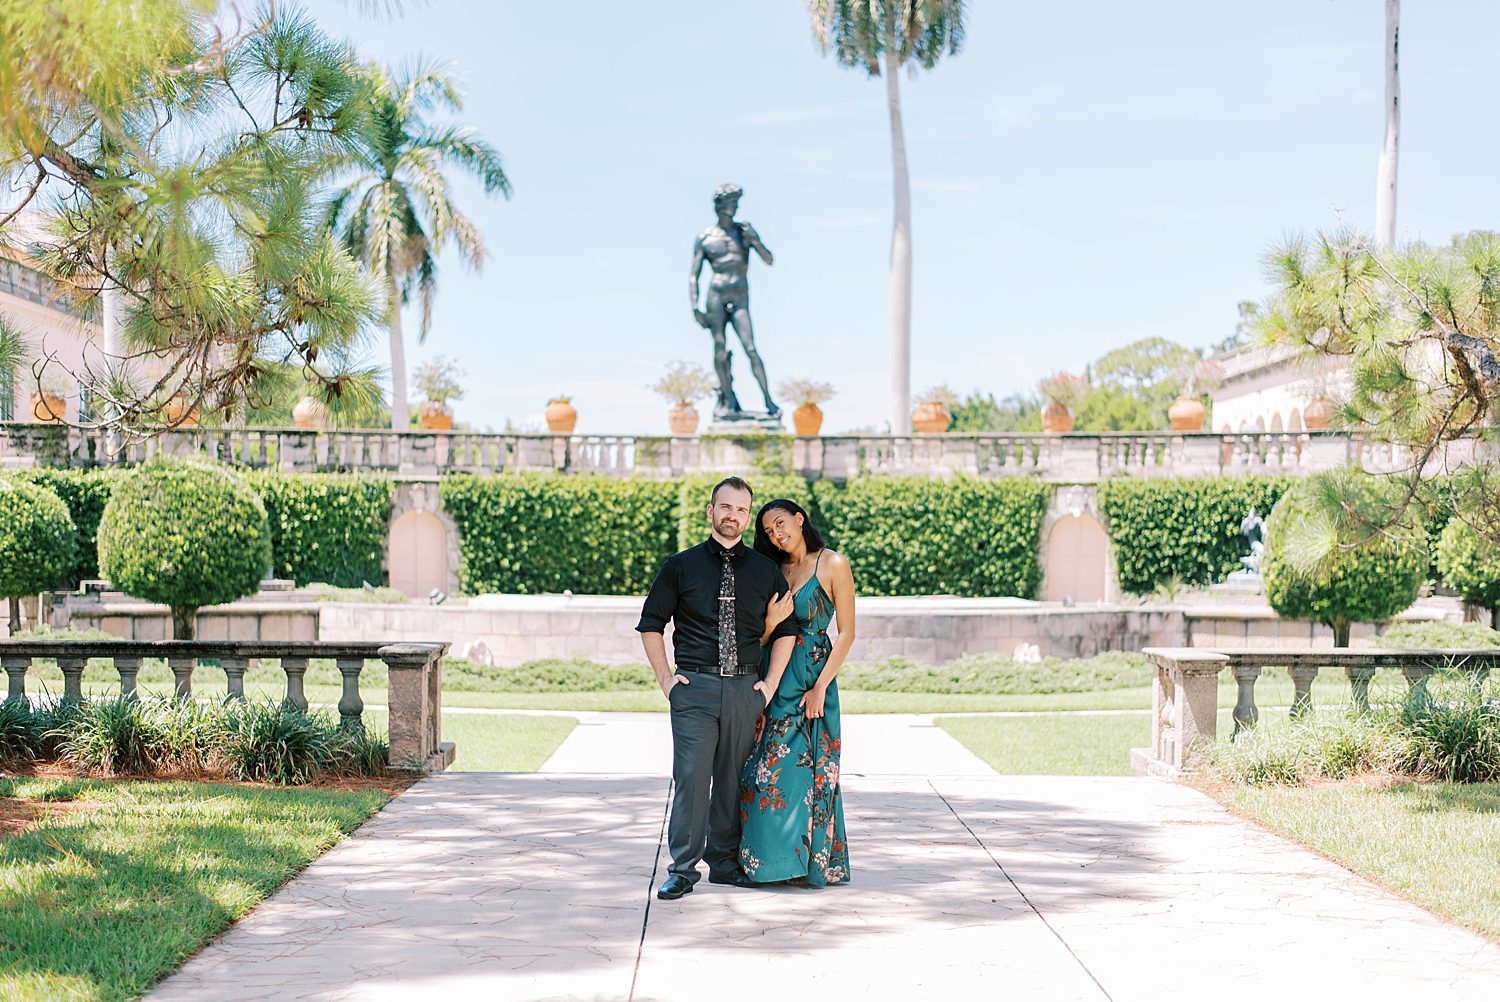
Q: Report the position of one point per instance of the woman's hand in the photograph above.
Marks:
(812, 701)
(778, 609)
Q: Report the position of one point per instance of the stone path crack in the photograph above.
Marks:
(1029, 903)
(655, 866)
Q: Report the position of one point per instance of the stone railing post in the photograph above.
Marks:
(72, 672)
(1416, 681)
(351, 705)
(296, 671)
(1184, 704)
(128, 666)
(1302, 680)
(415, 702)
(1245, 711)
(15, 669)
(182, 674)
(1359, 687)
(234, 674)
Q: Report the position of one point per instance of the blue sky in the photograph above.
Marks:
(1084, 174)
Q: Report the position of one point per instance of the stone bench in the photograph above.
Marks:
(414, 686)
(1185, 690)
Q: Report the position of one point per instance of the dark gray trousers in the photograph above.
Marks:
(713, 733)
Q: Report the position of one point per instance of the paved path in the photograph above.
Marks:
(507, 887)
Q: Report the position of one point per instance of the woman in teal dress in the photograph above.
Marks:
(791, 809)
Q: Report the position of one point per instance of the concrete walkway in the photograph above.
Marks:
(966, 885)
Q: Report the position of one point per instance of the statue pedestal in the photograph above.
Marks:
(1241, 583)
(748, 423)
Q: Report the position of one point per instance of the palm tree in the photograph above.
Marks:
(397, 214)
(1385, 178)
(881, 36)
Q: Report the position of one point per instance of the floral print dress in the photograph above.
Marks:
(791, 811)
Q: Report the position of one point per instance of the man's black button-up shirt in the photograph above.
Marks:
(686, 591)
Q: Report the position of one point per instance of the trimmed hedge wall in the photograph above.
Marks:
(917, 536)
(327, 527)
(532, 533)
(1186, 528)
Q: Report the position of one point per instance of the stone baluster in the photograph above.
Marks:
(1359, 687)
(1416, 681)
(72, 672)
(15, 668)
(351, 706)
(234, 674)
(1185, 704)
(128, 666)
(1302, 680)
(296, 671)
(1245, 711)
(182, 674)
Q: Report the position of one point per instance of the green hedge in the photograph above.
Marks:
(327, 527)
(85, 492)
(917, 536)
(532, 533)
(1187, 529)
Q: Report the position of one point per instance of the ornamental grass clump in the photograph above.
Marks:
(1330, 745)
(1456, 740)
(20, 733)
(114, 737)
(277, 743)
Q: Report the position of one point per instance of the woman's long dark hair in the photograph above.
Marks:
(810, 533)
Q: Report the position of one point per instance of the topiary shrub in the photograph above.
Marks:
(327, 527)
(918, 536)
(1470, 565)
(37, 542)
(186, 535)
(85, 492)
(1183, 530)
(1332, 558)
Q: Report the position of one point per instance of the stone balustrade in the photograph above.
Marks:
(1185, 691)
(1070, 458)
(414, 687)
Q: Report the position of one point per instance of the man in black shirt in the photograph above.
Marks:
(715, 594)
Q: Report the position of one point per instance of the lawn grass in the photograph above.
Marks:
(97, 904)
(1436, 844)
(513, 742)
(1047, 745)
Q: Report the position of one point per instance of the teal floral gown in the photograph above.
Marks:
(791, 811)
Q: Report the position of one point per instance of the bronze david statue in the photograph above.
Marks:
(726, 247)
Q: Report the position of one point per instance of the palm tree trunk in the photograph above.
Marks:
(398, 352)
(1385, 180)
(900, 246)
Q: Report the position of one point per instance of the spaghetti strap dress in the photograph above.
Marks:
(791, 809)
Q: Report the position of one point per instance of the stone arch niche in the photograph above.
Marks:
(1276, 422)
(1075, 550)
(422, 544)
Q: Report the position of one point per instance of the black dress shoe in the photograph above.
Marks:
(674, 887)
(735, 879)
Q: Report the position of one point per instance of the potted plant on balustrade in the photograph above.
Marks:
(933, 414)
(1064, 392)
(49, 401)
(807, 394)
(1187, 412)
(438, 381)
(562, 416)
(682, 384)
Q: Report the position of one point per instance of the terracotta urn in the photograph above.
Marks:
(436, 416)
(1318, 414)
(48, 407)
(683, 418)
(562, 416)
(1056, 418)
(931, 418)
(1187, 414)
(180, 414)
(310, 414)
(808, 420)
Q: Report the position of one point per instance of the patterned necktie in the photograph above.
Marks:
(729, 657)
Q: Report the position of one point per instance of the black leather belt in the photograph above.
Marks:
(752, 669)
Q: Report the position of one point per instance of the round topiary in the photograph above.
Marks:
(37, 542)
(1470, 565)
(1328, 559)
(186, 535)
